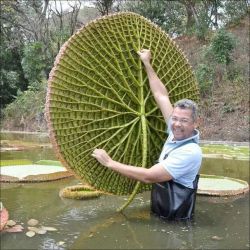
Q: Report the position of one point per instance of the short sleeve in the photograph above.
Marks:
(184, 163)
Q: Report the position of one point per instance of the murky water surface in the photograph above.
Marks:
(220, 223)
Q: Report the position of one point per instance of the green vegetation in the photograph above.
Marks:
(20, 162)
(227, 151)
(49, 163)
(28, 49)
(80, 192)
(15, 162)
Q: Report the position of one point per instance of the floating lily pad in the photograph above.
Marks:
(80, 192)
(49, 162)
(221, 186)
(33, 173)
(17, 162)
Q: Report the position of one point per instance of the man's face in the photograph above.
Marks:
(182, 123)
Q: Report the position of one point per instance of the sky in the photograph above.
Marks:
(66, 4)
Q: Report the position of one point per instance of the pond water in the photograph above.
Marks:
(220, 223)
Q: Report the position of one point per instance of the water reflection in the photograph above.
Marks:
(94, 224)
(220, 222)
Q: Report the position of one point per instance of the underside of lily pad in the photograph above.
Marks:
(80, 192)
(99, 97)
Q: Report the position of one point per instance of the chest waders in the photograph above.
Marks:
(173, 201)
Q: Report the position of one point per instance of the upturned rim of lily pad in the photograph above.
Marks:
(229, 190)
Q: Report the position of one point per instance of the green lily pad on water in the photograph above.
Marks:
(33, 173)
(16, 162)
(221, 186)
(49, 162)
(225, 151)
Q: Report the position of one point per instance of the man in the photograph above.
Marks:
(180, 158)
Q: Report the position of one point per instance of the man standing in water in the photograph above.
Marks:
(176, 173)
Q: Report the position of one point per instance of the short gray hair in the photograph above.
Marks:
(188, 104)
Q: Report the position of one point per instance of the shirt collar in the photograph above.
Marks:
(195, 138)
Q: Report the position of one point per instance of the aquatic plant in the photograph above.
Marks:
(80, 192)
(99, 97)
(221, 186)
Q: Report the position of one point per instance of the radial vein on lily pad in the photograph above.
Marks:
(99, 97)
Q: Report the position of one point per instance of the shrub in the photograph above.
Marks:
(205, 76)
(26, 111)
(222, 46)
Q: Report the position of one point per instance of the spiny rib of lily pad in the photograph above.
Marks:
(123, 155)
(158, 53)
(183, 83)
(121, 127)
(121, 26)
(81, 83)
(100, 180)
(104, 179)
(130, 198)
(159, 132)
(86, 119)
(144, 157)
(111, 186)
(173, 67)
(107, 86)
(157, 146)
(133, 149)
(108, 41)
(69, 111)
(165, 57)
(92, 79)
(109, 183)
(176, 79)
(102, 143)
(130, 56)
(186, 94)
(118, 73)
(128, 49)
(110, 65)
(89, 121)
(127, 135)
(89, 131)
(90, 96)
(65, 106)
(74, 140)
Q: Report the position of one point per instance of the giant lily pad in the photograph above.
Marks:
(33, 173)
(99, 97)
(221, 186)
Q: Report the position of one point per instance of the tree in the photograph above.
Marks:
(167, 14)
(234, 10)
(104, 6)
(30, 40)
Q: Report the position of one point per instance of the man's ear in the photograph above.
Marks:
(199, 122)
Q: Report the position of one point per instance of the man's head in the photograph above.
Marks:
(184, 119)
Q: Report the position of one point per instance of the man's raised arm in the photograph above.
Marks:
(158, 89)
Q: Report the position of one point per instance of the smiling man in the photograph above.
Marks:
(175, 176)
